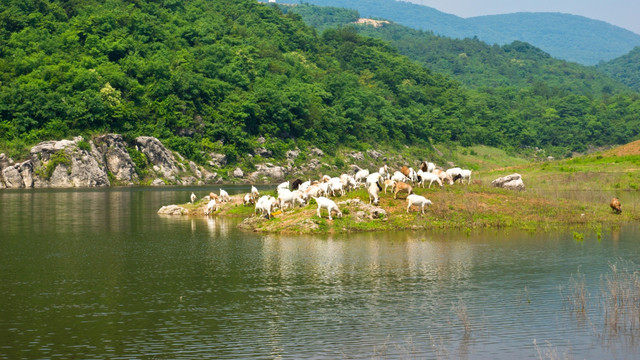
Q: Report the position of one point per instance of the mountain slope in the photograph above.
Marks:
(626, 68)
(470, 61)
(568, 37)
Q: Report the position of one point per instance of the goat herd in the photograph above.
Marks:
(320, 190)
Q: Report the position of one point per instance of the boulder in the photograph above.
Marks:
(159, 156)
(316, 152)
(82, 168)
(157, 182)
(173, 210)
(238, 173)
(511, 182)
(112, 150)
(218, 160)
(12, 177)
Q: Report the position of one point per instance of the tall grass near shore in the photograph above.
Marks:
(614, 313)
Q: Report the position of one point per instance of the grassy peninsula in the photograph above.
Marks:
(560, 193)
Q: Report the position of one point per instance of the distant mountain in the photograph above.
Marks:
(626, 68)
(470, 61)
(564, 36)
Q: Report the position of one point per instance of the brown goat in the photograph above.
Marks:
(213, 196)
(615, 205)
(402, 187)
(405, 170)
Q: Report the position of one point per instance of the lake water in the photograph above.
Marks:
(97, 274)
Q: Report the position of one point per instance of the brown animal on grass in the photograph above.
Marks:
(477, 182)
(615, 205)
(213, 196)
(402, 187)
(405, 170)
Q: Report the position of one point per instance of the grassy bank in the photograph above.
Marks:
(571, 192)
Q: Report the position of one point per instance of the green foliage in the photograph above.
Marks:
(209, 76)
(84, 145)
(624, 68)
(60, 157)
(140, 162)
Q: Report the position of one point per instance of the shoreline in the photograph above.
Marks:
(460, 207)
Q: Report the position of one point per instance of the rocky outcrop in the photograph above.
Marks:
(81, 163)
(159, 157)
(113, 149)
(62, 164)
(511, 182)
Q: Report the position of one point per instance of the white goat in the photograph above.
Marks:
(389, 183)
(224, 196)
(465, 174)
(193, 198)
(335, 185)
(330, 205)
(265, 205)
(417, 200)
(384, 171)
(313, 191)
(372, 178)
(248, 199)
(284, 185)
(398, 177)
(373, 190)
(443, 176)
(286, 196)
(211, 207)
(361, 175)
(254, 193)
(454, 173)
(430, 177)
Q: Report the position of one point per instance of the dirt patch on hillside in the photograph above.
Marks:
(632, 148)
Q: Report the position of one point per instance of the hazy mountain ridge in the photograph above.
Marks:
(625, 68)
(569, 37)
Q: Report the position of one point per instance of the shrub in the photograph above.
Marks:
(57, 158)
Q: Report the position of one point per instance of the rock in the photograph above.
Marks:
(238, 173)
(218, 160)
(158, 182)
(316, 152)
(261, 140)
(173, 210)
(374, 154)
(12, 177)
(4, 161)
(113, 150)
(268, 170)
(511, 182)
(356, 156)
(292, 154)
(263, 152)
(195, 170)
(162, 159)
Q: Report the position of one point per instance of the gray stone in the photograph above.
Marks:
(356, 156)
(374, 154)
(218, 160)
(316, 152)
(173, 210)
(292, 154)
(12, 178)
(162, 159)
(511, 182)
(157, 182)
(238, 173)
(263, 152)
(113, 150)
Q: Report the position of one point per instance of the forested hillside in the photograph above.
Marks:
(564, 36)
(626, 68)
(216, 75)
(470, 61)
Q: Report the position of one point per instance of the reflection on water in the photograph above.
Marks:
(98, 274)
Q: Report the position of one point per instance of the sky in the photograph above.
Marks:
(622, 13)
